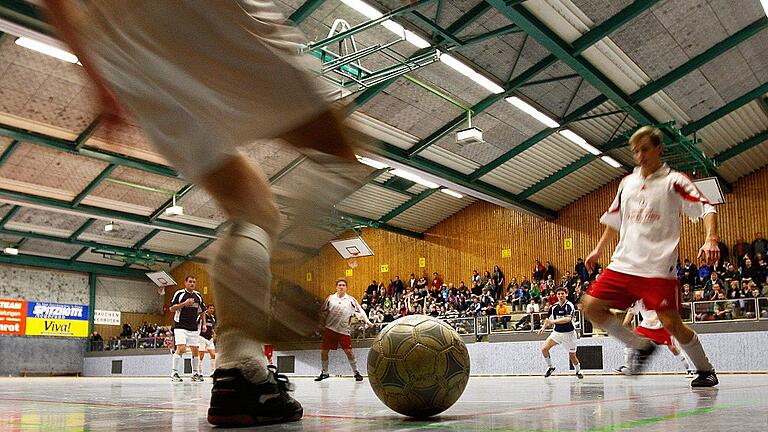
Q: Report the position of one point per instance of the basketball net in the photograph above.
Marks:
(161, 290)
(352, 262)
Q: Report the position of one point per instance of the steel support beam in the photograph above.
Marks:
(159, 256)
(87, 133)
(741, 147)
(25, 14)
(406, 205)
(725, 109)
(354, 219)
(304, 11)
(91, 300)
(87, 224)
(8, 216)
(140, 244)
(468, 18)
(93, 184)
(287, 169)
(9, 151)
(102, 213)
(75, 266)
(547, 181)
(201, 247)
(710, 54)
(79, 253)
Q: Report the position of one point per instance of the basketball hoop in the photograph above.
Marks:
(352, 262)
(161, 290)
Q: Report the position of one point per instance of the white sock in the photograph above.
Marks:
(627, 352)
(213, 363)
(195, 365)
(549, 361)
(681, 358)
(696, 353)
(353, 363)
(577, 366)
(176, 364)
(325, 366)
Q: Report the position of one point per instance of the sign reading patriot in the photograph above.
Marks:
(57, 319)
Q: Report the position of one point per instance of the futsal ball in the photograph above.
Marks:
(418, 366)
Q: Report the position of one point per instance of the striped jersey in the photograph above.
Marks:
(188, 317)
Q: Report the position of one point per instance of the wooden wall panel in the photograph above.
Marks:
(474, 238)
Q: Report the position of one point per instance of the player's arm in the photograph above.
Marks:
(564, 320)
(175, 305)
(628, 317)
(710, 249)
(608, 236)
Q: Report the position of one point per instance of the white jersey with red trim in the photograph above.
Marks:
(650, 319)
(338, 311)
(646, 212)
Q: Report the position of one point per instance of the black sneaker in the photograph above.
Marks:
(623, 370)
(579, 375)
(236, 402)
(322, 376)
(176, 378)
(197, 378)
(705, 379)
(549, 372)
(638, 359)
(358, 377)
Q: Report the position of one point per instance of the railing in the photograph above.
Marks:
(737, 310)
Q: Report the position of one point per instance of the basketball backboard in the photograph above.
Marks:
(352, 248)
(161, 279)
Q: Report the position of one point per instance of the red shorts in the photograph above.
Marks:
(621, 290)
(659, 336)
(331, 340)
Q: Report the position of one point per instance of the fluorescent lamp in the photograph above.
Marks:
(611, 161)
(579, 141)
(363, 8)
(111, 227)
(371, 163)
(11, 251)
(414, 178)
(765, 6)
(46, 49)
(408, 35)
(470, 73)
(533, 112)
(452, 193)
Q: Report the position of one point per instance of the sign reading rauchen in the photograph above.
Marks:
(106, 317)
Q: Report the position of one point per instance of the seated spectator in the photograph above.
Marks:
(551, 298)
(704, 270)
(531, 316)
(97, 342)
(731, 272)
(486, 298)
(580, 270)
(713, 280)
(127, 331)
(538, 271)
(515, 299)
(723, 309)
(751, 273)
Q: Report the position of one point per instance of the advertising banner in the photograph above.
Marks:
(13, 315)
(57, 319)
(106, 317)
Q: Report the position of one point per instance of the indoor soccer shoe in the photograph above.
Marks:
(705, 379)
(176, 378)
(236, 402)
(358, 377)
(197, 378)
(549, 372)
(322, 376)
(638, 360)
(621, 370)
(579, 375)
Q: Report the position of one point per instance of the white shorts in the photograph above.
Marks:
(203, 77)
(565, 340)
(186, 337)
(207, 344)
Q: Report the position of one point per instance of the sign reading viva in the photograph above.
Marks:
(13, 316)
(57, 319)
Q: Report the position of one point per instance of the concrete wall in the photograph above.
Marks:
(44, 355)
(729, 352)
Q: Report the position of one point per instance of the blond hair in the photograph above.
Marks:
(653, 133)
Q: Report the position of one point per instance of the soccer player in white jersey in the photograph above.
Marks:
(651, 328)
(564, 333)
(335, 318)
(646, 214)
(202, 79)
(188, 309)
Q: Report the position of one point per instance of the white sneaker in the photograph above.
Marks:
(176, 378)
(623, 370)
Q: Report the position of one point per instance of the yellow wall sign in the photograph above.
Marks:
(385, 268)
(348, 272)
(506, 253)
(309, 276)
(568, 243)
(422, 262)
(57, 327)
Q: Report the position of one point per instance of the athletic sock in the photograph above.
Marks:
(325, 366)
(549, 361)
(627, 353)
(681, 358)
(696, 353)
(577, 366)
(195, 365)
(353, 363)
(176, 364)
(614, 328)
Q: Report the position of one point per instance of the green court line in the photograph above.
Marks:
(660, 419)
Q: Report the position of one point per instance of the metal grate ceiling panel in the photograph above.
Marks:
(450, 160)
(128, 234)
(200, 204)
(173, 243)
(372, 201)
(146, 201)
(270, 155)
(95, 258)
(48, 248)
(430, 211)
(577, 184)
(45, 222)
(534, 164)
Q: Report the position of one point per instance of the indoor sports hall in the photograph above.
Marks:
(554, 217)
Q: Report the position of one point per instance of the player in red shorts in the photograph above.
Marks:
(336, 315)
(650, 327)
(646, 216)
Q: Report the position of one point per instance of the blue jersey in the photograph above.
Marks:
(558, 311)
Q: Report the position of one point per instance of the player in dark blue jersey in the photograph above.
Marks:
(564, 334)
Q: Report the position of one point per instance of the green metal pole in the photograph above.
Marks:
(92, 301)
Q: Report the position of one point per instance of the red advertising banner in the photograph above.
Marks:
(13, 316)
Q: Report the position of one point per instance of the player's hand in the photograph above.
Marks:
(711, 251)
(188, 302)
(204, 328)
(592, 258)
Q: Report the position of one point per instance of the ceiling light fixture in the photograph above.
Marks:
(533, 112)
(611, 161)
(10, 250)
(470, 73)
(452, 193)
(414, 178)
(47, 49)
(371, 162)
(111, 226)
(579, 141)
(174, 210)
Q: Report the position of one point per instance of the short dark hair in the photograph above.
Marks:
(210, 304)
(190, 277)
(341, 280)
(561, 289)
